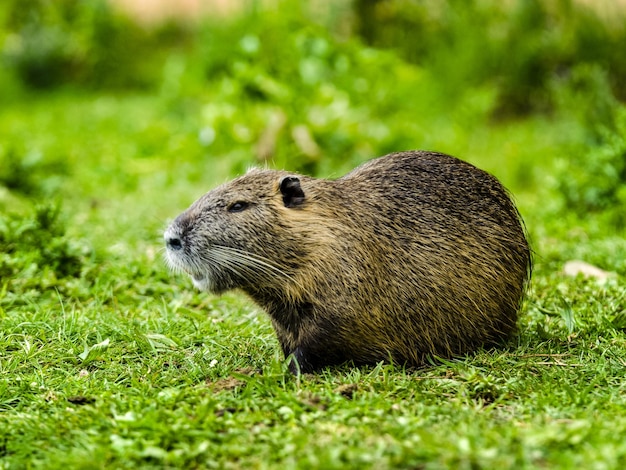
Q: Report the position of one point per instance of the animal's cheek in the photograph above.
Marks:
(217, 235)
(208, 231)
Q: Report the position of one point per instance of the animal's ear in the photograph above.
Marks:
(291, 190)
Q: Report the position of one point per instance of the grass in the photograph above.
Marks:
(184, 381)
(107, 360)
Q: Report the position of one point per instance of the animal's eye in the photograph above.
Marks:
(238, 206)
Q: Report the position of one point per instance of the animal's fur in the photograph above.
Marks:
(410, 255)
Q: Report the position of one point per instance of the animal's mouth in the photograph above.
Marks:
(197, 277)
(202, 280)
(177, 263)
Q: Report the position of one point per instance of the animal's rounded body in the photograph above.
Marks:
(411, 255)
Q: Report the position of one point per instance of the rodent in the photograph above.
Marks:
(411, 256)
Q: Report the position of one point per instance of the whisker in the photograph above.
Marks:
(260, 262)
(247, 266)
(230, 264)
(260, 268)
(240, 267)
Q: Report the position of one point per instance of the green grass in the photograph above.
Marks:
(190, 381)
(107, 360)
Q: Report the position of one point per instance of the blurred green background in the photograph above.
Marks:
(118, 117)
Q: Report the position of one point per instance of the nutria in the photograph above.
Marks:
(411, 256)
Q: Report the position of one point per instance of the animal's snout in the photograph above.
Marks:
(173, 241)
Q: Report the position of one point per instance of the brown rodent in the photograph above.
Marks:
(410, 256)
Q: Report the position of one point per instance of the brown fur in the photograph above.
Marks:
(411, 255)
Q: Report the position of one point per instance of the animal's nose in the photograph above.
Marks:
(174, 243)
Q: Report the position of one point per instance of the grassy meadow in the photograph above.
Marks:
(109, 129)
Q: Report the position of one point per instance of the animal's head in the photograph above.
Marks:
(241, 233)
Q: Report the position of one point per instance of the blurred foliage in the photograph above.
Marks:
(27, 173)
(35, 248)
(519, 46)
(594, 180)
(591, 172)
(287, 91)
(85, 42)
